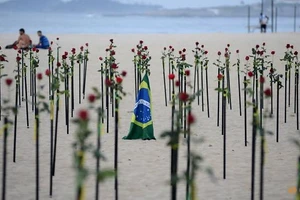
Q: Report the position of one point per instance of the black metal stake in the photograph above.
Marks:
(4, 158)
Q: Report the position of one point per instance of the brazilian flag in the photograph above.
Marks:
(141, 126)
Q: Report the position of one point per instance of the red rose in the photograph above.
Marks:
(165, 48)
(81, 48)
(268, 92)
(183, 57)
(272, 52)
(288, 46)
(177, 83)
(57, 38)
(187, 72)
(18, 58)
(0, 47)
(119, 79)
(19, 51)
(220, 77)
(39, 76)
(261, 79)
(292, 47)
(64, 57)
(124, 73)
(47, 72)
(132, 50)
(250, 74)
(183, 96)
(2, 58)
(108, 82)
(183, 50)
(219, 53)
(173, 49)
(73, 50)
(83, 115)
(144, 57)
(171, 76)
(86, 44)
(257, 46)
(112, 53)
(170, 47)
(141, 41)
(228, 45)
(139, 53)
(197, 43)
(8, 81)
(145, 48)
(296, 53)
(226, 49)
(180, 52)
(191, 118)
(237, 51)
(114, 66)
(49, 49)
(226, 55)
(58, 64)
(264, 44)
(205, 52)
(272, 70)
(111, 40)
(51, 42)
(92, 98)
(33, 49)
(247, 58)
(202, 46)
(15, 47)
(37, 50)
(100, 58)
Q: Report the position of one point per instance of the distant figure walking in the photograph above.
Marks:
(263, 20)
(23, 42)
(43, 43)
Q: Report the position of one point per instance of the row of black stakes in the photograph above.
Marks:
(257, 100)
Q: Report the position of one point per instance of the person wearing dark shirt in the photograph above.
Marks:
(43, 43)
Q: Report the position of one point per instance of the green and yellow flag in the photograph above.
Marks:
(141, 126)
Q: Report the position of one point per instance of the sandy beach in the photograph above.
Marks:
(144, 166)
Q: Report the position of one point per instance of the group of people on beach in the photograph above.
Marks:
(24, 42)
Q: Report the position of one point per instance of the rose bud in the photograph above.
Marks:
(18, 58)
(247, 58)
(124, 73)
(288, 46)
(257, 46)
(139, 53)
(51, 42)
(111, 40)
(49, 49)
(183, 96)
(187, 72)
(226, 49)
(272, 70)
(272, 52)
(220, 77)
(171, 76)
(83, 115)
(8, 81)
(173, 49)
(191, 118)
(132, 50)
(19, 51)
(264, 44)
(219, 53)
(15, 47)
(250, 74)
(86, 44)
(47, 72)
(237, 51)
(205, 52)
(64, 57)
(114, 66)
(165, 48)
(92, 98)
(180, 52)
(183, 50)
(144, 57)
(202, 46)
(268, 92)
(100, 58)
(197, 43)
(57, 38)
(141, 41)
(145, 48)
(170, 47)
(112, 53)
(39, 76)
(81, 48)
(228, 45)
(292, 47)
(296, 53)
(183, 57)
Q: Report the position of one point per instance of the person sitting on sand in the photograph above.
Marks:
(23, 42)
(43, 43)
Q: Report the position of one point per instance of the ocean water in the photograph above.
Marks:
(52, 23)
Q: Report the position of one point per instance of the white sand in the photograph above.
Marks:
(145, 165)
